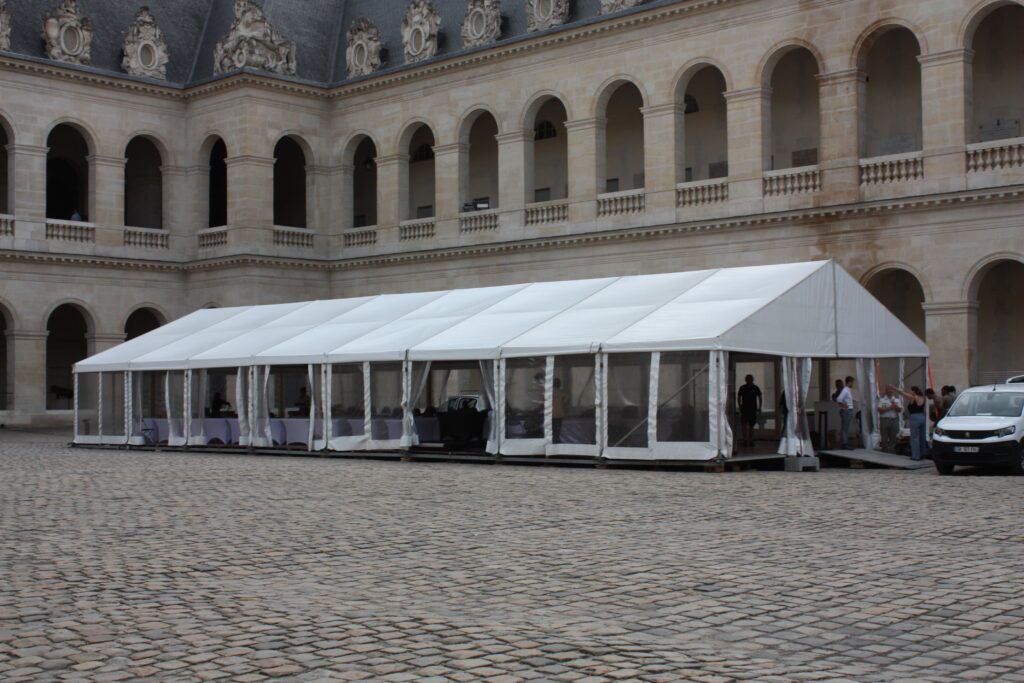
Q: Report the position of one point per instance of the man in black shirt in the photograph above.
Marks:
(748, 400)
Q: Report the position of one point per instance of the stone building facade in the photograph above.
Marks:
(160, 160)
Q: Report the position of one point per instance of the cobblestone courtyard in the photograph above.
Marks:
(126, 566)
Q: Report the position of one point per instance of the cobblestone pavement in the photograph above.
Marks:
(122, 565)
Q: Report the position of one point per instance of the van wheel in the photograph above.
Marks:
(1017, 466)
(944, 467)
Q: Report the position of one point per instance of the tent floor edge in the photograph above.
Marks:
(800, 463)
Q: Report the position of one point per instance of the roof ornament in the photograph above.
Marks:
(482, 24)
(145, 50)
(253, 43)
(609, 6)
(363, 54)
(420, 28)
(5, 27)
(68, 34)
(545, 14)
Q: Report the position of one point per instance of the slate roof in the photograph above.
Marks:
(193, 27)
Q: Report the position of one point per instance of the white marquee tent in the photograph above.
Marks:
(620, 367)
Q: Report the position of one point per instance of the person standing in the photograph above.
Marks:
(918, 422)
(890, 406)
(748, 400)
(845, 401)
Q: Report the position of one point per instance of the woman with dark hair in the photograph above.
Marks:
(918, 421)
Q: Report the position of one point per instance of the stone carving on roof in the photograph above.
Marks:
(482, 24)
(420, 27)
(362, 54)
(544, 14)
(5, 26)
(68, 34)
(253, 43)
(145, 50)
(609, 6)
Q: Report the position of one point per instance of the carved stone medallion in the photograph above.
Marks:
(419, 31)
(5, 26)
(544, 14)
(68, 34)
(362, 56)
(609, 6)
(482, 24)
(145, 51)
(253, 43)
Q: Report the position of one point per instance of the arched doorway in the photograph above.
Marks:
(289, 184)
(550, 167)
(143, 185)
(5, 363)
(890, 118)
(66, 344)
(794, 128)
(6, 171)
(900, 292)
(218, 184)
(623, 139)
(67, 175)
(479, 186)
(364, 184)
(998, 109)
(421, 173)
(705, 150)
(140, 322)
(999, 352)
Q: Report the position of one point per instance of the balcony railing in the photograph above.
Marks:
(70, 231)
(361, 237)
(790, 181)
(213, 237)
(416, 229)
(301, 238)
(544, 213)
(146, 238)
(995, 156)
(478, 221)
(894, 168)
(6, 225)
(621, 203)
(701, 192)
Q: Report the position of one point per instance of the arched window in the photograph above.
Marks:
(6, 172)
(364, 184)
(143, 185)
(891, 116)
(544, 130)
(218, 184)
(550, 168)
(66, 344)
(140, 322)
(998, 111)
(479, 188)
(624, 140)
(6, 393)
(998, 350)
(289, 184)
(794, 126)
(67, 175)
(421, 174)
(900, 292)
(705, 145)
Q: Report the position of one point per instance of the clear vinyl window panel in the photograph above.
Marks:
(628, 391)
(348, 410)
(683, 397)
(524, 398)
(450, 404)
(386, 401)
(573, 409)
(113, 403)
(88, 404)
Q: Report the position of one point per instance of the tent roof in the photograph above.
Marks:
(811, 309)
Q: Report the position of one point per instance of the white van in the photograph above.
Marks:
(984, 426)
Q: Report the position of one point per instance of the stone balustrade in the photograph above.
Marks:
(6, 225)
(544, 213)
(146, 238)
(790, 181)
(300, 238)
(621, 203)
(417, 229)
(213, 237)
(70, 231)
(995, 156)
(701, 192)
(361, 237)
(478, 221)
(893, 168)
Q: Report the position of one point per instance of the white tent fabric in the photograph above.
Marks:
(813, 310)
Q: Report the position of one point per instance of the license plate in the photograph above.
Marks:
(966, 449)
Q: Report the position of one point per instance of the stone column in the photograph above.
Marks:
(26, 350)
(748, 113)
(321, 198)
(450, 184)
(951, 328)
(512, 157)
(178, 196)
(944, 117)
(29, 196)
(839, 96)
(392, 190)
(660, 161)
(106, 199)
(341, 181)
(250, 201)
(586, 146)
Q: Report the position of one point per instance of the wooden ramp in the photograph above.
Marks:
(859, 456)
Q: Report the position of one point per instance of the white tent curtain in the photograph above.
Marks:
(313, 404)
(242, 406)
(718, 389)
(876, 428)
(796, 383)
(805, 369)
(197, 408)
(175, 402)
(489, 370)
(869, 433)
(135, 381)
(652, 403)
(417, 375)
(789, 445)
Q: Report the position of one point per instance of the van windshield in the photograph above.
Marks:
(988, 404)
